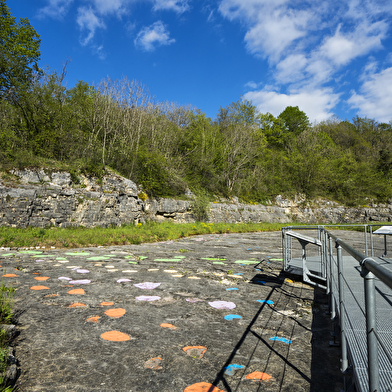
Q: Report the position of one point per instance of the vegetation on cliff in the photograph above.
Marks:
(167, 147)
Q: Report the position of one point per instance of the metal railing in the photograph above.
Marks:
(365, 352)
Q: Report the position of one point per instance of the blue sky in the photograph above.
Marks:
(327, 57)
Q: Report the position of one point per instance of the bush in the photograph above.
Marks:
(200, 207)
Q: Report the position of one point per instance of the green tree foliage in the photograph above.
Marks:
(19, 44)
(274, 129)
(167, 147)
(242, 142)
(295, 120)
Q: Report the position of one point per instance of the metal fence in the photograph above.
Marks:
(359, 285)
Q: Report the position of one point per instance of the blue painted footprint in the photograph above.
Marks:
(280, 339)
(230, 317)
(231, 369)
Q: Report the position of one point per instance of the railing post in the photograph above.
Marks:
(326, 253)
(284, 246)
(371, 338)
(331, 287)
(371, 240)
(342, 314)
(366, 243)
(323, 256)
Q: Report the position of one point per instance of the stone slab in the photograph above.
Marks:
(181, 339)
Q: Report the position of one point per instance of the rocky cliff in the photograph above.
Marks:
(40, 198)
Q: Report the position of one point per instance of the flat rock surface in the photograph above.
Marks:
(173, 316)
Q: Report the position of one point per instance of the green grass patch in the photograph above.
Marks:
(6, 314)
(77, 237)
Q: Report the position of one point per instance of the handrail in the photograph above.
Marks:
(382, 273)
(370, 269)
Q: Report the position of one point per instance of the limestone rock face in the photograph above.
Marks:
(43, 198)
(61, 179)
(31, 175)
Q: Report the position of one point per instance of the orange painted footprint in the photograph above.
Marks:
(115, 336)
(39, 288)
(93, 319)
(115, 313)
(195, 351)
(77, 305)
(202, 387)
(153, 363)
(77, 291)
(259, 376)
(166, 325)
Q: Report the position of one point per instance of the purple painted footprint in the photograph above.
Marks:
(147, 298)
(82, 281)
(222, 304)
(147, 285)
(123, 280)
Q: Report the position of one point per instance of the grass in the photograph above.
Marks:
(6, 314)
(77, 237)
(124, 235)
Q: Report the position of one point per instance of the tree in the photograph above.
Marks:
(295, 120)
(242, 140)
(274, 129)
(239, 112)
(19, 54)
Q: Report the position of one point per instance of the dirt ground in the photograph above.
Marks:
(205, 313)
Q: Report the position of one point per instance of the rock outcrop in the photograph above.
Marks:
(40, 198)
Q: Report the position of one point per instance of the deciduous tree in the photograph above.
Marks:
(19, 54)
(295, 120)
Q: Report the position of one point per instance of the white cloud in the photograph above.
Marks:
(309, 44)
(342, 48)
(152, 36)
(292, 68)
(88, 20)
(273, 35)
(272, 27)
(56, 9)
(252, 85)
(179, 6)
(317, 104)
(98, 50)
(375, 97)
(91, 18)
(107, 7)
(362, 9)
